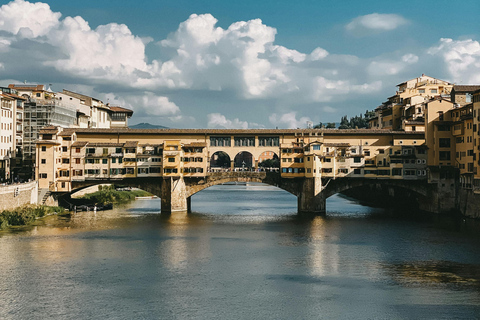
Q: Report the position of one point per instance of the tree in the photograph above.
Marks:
(331, 125)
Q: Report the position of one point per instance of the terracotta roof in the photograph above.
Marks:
(120, 109)
(79, 143)
(48, 130)
(104, 144)
(466, 88)
(339, 144)
(6, 96)
(195, 144)
(131, 144)
(47, 142)
(67, 132)
(34, 87)
(247, 132)
(14, 96)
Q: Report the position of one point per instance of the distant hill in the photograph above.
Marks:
(144, 125)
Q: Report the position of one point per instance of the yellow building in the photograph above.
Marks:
(69, 155)
(406, 109)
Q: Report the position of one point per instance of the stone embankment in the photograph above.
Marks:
(17, 195)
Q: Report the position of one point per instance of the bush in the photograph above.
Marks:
(25, 215)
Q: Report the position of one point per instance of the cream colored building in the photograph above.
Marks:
(75, 154)
(406, 109)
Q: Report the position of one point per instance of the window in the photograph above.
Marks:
(44, 161)
(268, 141)
(298, 160)
(43, 176)
(357, 159)
(114, 160)
(244, 142)
(66, 160)
(444, 155)
(44, 148)
(381, 151)
(77, 160)
(105, 150)
(171, 159)
(316, 147)
(64, 149)
(220, 141)
(433, 91)
(421, 90)
(77, 150)
(444, 142)
(357, 171)
(104, 161)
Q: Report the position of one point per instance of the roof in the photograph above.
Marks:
(49, 142)
(339, 144)
(120, 109)
(48, 130)
(6, 96)
(246, 132)
(131, 144)
(104, 144)
(27, 87)
(465, 88)
(195, 144)
(79, 143)
(14, 96)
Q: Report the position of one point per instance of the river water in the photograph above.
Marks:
(242, 254)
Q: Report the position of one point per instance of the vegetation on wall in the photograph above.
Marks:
(108, 194)
(26, 214)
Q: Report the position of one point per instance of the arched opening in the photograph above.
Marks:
(268, 161)
(254, 200)
(220, 160)
(244, 161)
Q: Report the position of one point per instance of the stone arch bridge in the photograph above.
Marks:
(311, 193)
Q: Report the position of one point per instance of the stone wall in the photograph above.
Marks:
(13, 196)
(468, 203)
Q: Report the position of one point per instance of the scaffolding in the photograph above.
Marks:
(40, 113)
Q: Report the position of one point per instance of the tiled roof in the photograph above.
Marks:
(195, 144)
(246, 132)
(339, 144)
(38, 87)
(79, 143)
(466, 88)
(131, 144)
(47, 142)
(104, 144)
(120, 109)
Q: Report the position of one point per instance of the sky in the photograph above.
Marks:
(238, 64)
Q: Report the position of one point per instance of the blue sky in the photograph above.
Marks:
(238, 64)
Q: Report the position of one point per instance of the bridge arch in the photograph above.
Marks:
(244, 159)
(269, 178)
(384, 186)
(220, 159)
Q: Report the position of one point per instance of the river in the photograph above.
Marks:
(242, 254)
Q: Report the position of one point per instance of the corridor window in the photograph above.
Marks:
(220, 141)
(268, 141)
(244, 142)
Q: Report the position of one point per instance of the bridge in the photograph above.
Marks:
(175, 164)
(175, 194)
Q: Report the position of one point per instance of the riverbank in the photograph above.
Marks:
(25, 215)
(109, 195)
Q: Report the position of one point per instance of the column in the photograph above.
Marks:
(311, 199)
(173, 195)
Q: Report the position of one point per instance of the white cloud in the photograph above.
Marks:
(329, 109)
(318, 54)
(28, 19)
(217, 120)
(391, 67)
(148, 102)
(461, 58)
(288, 120)
(375, 22)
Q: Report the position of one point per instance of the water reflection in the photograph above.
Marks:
(243, 254)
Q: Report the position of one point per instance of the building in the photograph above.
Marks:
(406, 109)
(42, 108)
(65, 156)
